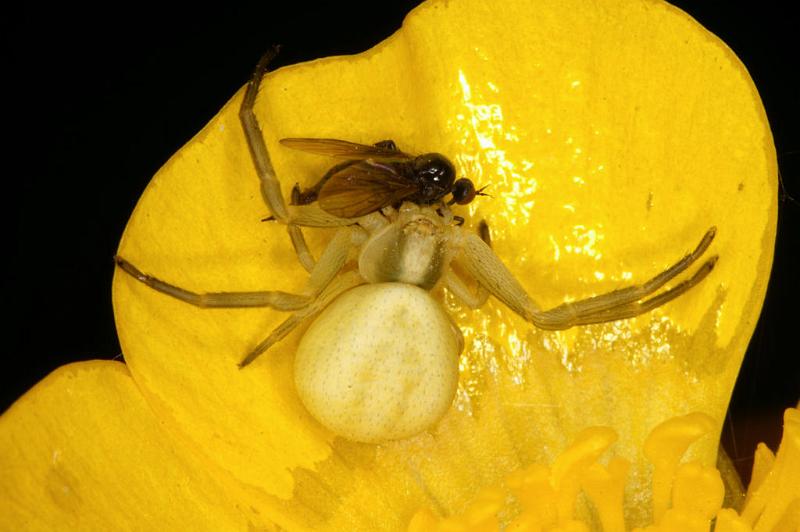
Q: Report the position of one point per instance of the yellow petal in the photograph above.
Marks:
(83, 451)
(612, 135)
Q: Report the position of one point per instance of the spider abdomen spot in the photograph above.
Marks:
(380, 363)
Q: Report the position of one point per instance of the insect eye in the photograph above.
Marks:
(463, 191)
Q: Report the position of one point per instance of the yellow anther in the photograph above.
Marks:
(482, 512)
(568, 470)
(423, 521)
(452, 524)
(546, 497)
(588, 446)
(526, 522)
(606, 488)
(535, 495)
(698, 489)
(790, 522)
(675, 520)
(729, 521)
(763, 460)
(665, 446)
(571, 526)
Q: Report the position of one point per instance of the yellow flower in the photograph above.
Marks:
(686, 497)
(612, 135)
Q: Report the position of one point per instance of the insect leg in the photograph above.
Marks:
(490, 272)
(339, 285)
(387, 144)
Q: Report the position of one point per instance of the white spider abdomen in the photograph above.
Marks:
(380, 363)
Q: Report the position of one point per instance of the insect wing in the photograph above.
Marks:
(362, 188)
(345, 149)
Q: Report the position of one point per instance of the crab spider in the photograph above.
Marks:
(403, 250)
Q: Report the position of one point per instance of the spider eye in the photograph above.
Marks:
(463, 191)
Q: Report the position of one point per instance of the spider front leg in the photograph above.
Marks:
(489, 271)
(456, 285)
(270, 186)
(292, 216)
(321, 286)
(337, 287)
(325, 270)
(275, 299)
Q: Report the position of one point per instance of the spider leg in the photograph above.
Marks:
(312, 215)
(486, 236)
(338, 286)
(610, 307)
(456, 332)
(457, 285)
(301, 248)
(270, 186)
(275, 299)
(490, 272)
(325, 270)
(333, 258)
(459, 288)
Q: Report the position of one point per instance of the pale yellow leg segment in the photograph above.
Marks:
(329, 265)
(301, 248)
(479, 260)
(340, 285)
(270, 186)
(459, 289)
(275, 299)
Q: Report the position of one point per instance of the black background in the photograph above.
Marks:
(96, 101)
